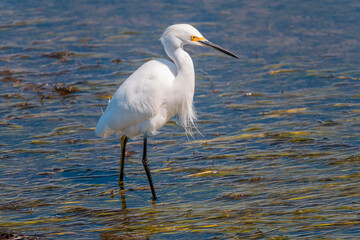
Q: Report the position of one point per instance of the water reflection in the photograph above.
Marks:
(122, 194)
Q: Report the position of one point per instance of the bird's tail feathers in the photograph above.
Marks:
(103, 130)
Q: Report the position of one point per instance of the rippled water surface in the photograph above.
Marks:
(279, 152)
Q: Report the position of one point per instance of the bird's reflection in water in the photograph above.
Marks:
(122, 194)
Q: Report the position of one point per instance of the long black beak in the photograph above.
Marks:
(217, 47)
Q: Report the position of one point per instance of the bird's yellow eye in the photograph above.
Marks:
(196, 39)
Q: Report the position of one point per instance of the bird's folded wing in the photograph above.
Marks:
(138, 99)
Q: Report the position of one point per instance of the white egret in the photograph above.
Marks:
(155, 92)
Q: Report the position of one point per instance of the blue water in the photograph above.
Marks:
(279, 150)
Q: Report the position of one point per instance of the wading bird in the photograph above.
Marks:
(155, 92)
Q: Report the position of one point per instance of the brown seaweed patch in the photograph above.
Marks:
(12, 79)
(233, 196)
(65, 89)
(6, 71)
(350, 160)
(116, 60)
(7, 234)
(61, 55)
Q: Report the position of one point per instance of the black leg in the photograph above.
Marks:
(145, 162)
(124, 140)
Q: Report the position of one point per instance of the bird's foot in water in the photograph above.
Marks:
(113, 192)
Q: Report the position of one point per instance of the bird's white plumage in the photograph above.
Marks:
(156, 91)
(139, 104)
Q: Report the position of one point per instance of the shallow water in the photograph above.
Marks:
(279, 152)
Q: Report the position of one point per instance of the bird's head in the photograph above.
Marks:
(178, 35)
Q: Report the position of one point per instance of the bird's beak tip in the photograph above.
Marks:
(207, 43)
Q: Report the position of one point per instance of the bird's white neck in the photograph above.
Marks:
(184, 86)
(185, 77)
